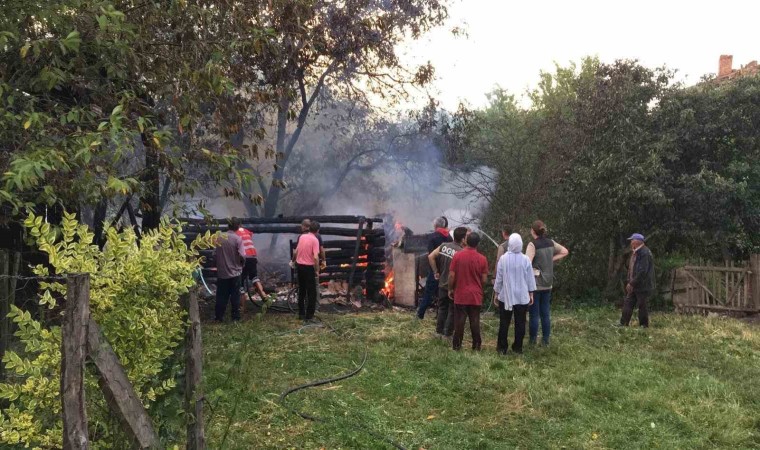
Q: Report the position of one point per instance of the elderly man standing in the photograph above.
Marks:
(229, 256)
(640, 283)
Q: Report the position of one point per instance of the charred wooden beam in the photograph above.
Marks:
(285, 220)
(347, 268)
(193, 231)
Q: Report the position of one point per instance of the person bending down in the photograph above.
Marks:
(514, 288)
(250, 268)
(467, 273)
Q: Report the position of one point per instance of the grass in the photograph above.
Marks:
(687, 382)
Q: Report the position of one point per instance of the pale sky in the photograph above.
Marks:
(509, 42)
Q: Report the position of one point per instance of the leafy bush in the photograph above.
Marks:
(134, 292)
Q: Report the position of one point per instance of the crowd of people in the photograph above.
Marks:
(458, 273)
(522, 284)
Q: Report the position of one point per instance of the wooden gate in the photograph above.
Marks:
(733, 288)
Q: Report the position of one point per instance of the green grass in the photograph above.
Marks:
(688, 382)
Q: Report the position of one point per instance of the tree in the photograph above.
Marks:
(377, 153)
(349, 47)
(709, 132)
(112, 96)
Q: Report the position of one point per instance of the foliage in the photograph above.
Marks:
(604, 150)
(687, 382)
(113, 95)
(134, 293)
(348, 48)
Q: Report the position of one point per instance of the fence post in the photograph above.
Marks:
(196, 438)
(118, 391)
(73, 353)
(754, 266)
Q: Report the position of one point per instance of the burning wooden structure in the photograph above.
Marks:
(354, 247)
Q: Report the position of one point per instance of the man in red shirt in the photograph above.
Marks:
(467, 273)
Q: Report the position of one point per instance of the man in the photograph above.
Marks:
(439, 236)
(640, 285)
(307, 267)
(440, 261)
(467, 273)
(250, 271)
(229, 255)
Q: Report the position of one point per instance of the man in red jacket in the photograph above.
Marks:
(467, 273)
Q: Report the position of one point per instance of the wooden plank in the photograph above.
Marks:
(73, 353)
(754, 264)
(196, 437)
(736, 289)
(285, 220)
(118, 391)
(704, 288)
(357, 247)
(725, 308)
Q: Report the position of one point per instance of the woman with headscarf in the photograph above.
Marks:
(514, 288)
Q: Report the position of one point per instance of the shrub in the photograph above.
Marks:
(134, 292)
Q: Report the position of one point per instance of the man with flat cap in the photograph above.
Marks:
(640, 282)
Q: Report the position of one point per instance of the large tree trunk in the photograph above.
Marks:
(150, 202)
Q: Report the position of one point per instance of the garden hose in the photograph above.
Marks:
(198, 275)
(316, 383)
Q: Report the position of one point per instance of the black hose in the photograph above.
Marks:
(316, 383)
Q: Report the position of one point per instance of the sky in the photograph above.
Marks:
(510, 42)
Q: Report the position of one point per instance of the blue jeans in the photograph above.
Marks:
(431, 290)
(540, 308)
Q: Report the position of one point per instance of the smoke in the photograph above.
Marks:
(375, 167)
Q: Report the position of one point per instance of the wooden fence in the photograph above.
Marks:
(733, 288)
(81, 339)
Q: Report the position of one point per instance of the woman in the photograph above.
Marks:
(542, 253)
(514, 288)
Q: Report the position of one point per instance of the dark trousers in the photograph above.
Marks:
(519, 312)
(640, 300)
(227, 290)
(461, 313)
(541, 309)
(431, 289)
(445, 323)
(307, 291)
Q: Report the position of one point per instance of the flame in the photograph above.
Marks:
(389, 289)
(345, 266)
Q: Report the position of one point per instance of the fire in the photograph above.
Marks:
(345, 266)
(389, 288)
